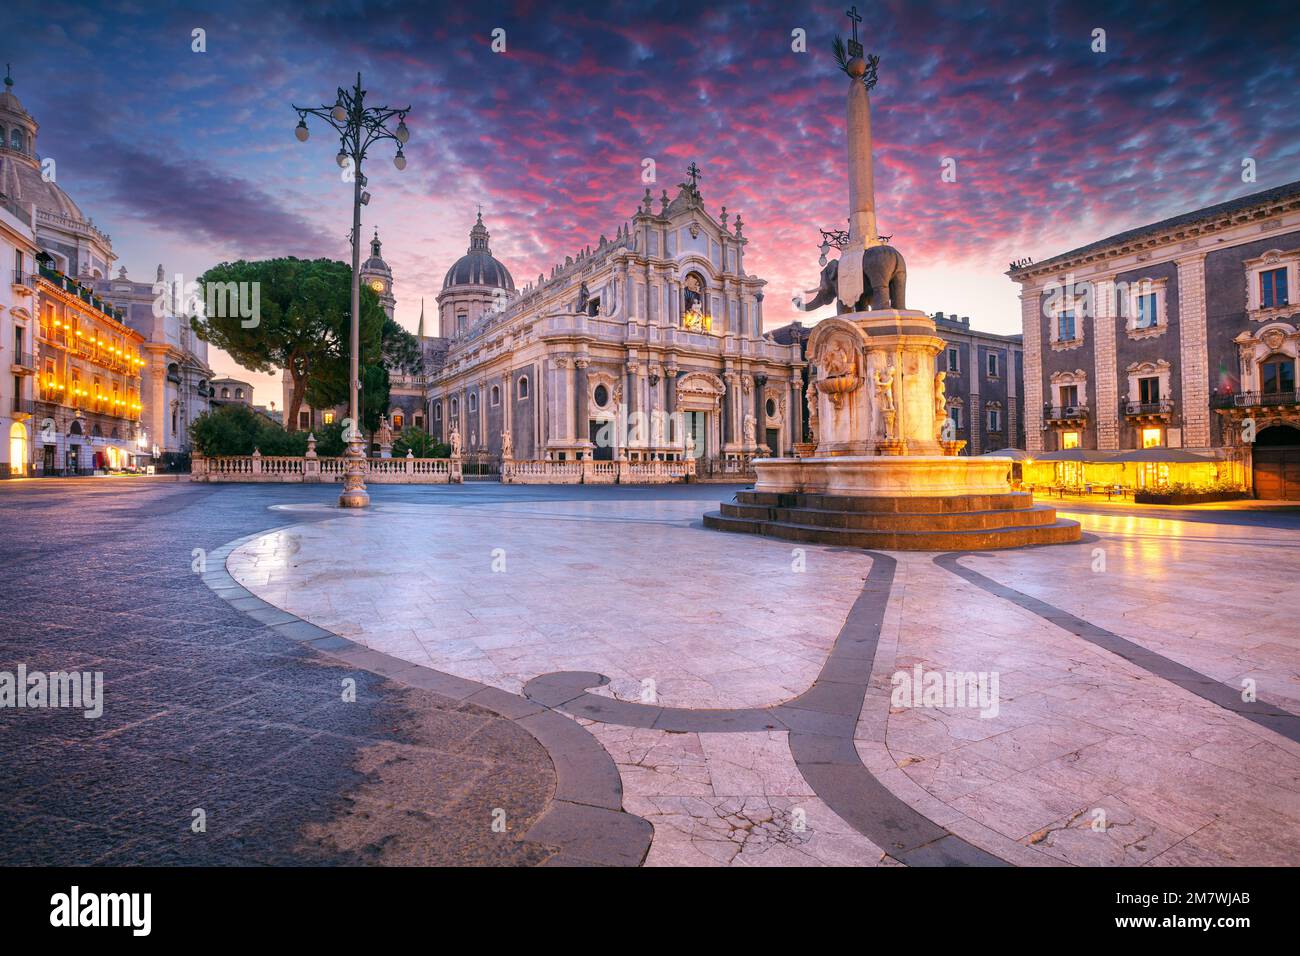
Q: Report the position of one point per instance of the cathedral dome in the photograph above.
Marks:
(20, 167)
(478, 267)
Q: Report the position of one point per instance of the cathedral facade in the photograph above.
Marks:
(646, 346)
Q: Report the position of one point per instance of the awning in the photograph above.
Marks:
(1166, 456)
(1078, 454)
(1018, 454)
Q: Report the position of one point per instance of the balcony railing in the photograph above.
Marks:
(1161, 407)
(24, 279)
(88, 296)
(1253, 399)
(1065, 413)
(24, 360)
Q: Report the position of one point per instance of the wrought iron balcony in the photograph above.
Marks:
(23, 362)
(24, 282)
(1065, 413)
(1161, 408)
(1254, 399)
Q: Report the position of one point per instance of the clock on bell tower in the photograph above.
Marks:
(376, 274)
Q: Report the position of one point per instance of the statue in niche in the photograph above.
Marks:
(584, 297)
(838, 362)
(749, 429)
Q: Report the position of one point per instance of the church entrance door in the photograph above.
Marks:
(601, 435)
(697, 427)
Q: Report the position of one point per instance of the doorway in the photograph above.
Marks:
(696, 425)
(1276, 463)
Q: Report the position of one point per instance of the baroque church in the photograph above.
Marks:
(646, 346)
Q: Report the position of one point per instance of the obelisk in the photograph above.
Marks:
(862, 192)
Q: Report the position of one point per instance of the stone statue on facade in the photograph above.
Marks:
(749, 429)
(584, 297)
(506, 450)
(455, 442)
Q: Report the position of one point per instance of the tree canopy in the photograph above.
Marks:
(302, 325)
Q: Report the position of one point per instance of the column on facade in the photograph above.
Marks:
(727, 407)
(159, 413)
(671, 437)
(1194, 351)
(581, 413)
(1031, 327)
(630, 400)
(760, 412)
(1105, 365)
(796, 409)
(978, 421)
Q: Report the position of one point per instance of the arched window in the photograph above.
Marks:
(455, 408)
(496, 395)
(239, 393)
(437, 411)
(523, 387)
(225, 393)
(473, 402)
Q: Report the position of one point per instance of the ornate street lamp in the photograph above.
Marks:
(358, 127)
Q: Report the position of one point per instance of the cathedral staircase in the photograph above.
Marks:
(958, 523)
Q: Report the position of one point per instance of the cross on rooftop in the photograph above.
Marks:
(693, 171)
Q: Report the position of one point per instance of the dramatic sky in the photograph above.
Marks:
(189, 158)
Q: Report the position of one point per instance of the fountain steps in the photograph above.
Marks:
(967, 523)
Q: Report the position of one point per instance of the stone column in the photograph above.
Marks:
(671, 438)
(727, 409)
(581, 412)
(978, 421)
(631, 403)
(760, 414)
(1194, 351)
(1031, 327)
(1105, 371)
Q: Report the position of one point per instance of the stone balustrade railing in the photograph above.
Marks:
(440, 471)
(312, 468)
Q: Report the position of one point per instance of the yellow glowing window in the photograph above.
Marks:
(329, 418)
(1070, 440)
(1150, 438)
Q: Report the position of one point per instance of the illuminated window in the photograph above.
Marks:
(1069, 440)
(397, 421)
(329, 418)
(1151, 438)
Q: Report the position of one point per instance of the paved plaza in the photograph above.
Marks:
(620, 685)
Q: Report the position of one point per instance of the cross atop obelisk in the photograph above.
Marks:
(862, 193)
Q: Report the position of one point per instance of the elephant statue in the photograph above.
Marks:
(884, 283)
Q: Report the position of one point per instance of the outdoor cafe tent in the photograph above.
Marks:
(1073, 467)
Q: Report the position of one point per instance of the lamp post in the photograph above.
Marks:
(358, 127)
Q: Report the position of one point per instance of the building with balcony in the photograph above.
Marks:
(648, 346)
(176, 375)
(1179, 335)
(17, 336)
(88, 404)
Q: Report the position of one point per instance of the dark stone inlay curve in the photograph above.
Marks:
(820, 724)
(585, 818)
(1207, 688)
